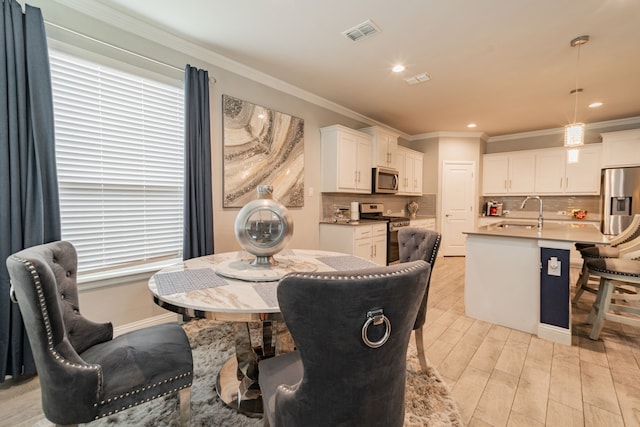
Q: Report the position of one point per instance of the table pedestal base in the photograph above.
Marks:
(243, 395)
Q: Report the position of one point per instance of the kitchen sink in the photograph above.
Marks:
(523, 225)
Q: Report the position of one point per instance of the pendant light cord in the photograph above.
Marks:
(576, 90)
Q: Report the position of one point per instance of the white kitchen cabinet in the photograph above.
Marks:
(345, 160)
(568, 171)
(621, 148)
(368, 241)
(425, 223)
(385, 147)
(508, 173)
(409, 171)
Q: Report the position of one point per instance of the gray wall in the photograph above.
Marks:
(555, 138)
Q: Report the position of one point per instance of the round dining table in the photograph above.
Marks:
(227, 287)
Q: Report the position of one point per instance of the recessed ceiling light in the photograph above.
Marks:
(472, 125)
(595, 104)
(398, 68)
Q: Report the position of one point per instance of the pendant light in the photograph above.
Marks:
(574, 132)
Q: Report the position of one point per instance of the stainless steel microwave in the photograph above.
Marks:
(384, 181)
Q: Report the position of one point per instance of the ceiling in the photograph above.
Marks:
(503, 64)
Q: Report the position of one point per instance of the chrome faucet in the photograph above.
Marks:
(540, 214)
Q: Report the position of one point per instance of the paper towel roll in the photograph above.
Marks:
(355, 211)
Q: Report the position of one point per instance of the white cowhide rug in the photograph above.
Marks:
(428, 400)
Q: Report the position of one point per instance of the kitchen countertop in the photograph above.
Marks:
(353, 223)
(569, 232)
(551, 216)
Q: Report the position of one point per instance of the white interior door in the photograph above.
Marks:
(458, 201)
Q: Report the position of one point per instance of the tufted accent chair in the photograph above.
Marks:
(419, 244)
(84, 372)
(336, 377)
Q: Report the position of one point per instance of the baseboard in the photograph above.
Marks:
(554, 333)
(149, 321)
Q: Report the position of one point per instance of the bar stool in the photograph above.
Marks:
(614, 273)
(626, 242)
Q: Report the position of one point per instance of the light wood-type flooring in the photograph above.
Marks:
(498, 376)
(503, 377)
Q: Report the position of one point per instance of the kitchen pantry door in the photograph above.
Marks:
(458, 194)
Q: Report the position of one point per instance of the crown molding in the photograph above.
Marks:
(555, 131)
(447, 134)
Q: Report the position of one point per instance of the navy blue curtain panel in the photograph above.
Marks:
(198, 207)
(29, 204)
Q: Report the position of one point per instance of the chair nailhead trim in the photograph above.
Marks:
(145, 388)
(358, 276)
(149, 399)
(618, 273)
(47, 322)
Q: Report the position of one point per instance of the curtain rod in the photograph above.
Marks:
(164, 64)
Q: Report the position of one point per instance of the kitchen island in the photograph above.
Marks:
(518, 276)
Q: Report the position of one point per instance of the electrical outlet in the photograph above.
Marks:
(554, 267)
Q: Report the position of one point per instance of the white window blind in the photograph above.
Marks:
(119, 149)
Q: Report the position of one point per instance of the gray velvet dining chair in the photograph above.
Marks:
(351, 331)
(419, 244)
(84, 372)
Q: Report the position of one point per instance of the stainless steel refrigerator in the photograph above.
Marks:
(621, 198)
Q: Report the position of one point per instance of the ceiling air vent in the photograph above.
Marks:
(361, 31)
(418, 78)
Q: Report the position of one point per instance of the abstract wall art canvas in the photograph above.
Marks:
(261, 147)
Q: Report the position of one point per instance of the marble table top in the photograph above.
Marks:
(194, 288)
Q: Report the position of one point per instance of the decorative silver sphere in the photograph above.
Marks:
(263, 227)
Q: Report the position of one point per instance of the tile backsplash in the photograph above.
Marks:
(552, 205)
(395, 204)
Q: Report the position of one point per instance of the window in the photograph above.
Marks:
(119, 149)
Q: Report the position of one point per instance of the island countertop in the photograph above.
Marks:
(565, 232)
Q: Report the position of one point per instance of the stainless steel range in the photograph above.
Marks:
(375, 211)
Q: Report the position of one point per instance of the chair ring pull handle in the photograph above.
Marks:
(377, 318)
(12, 294)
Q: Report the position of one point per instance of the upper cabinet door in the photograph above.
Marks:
(508, 173)
(385, 147)
(495, 174)
(583, 173)
(409, 171)
(550, 171)
(347, 160)
(521, 172)
(621, 148)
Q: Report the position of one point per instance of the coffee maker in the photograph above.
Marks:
(493, 208)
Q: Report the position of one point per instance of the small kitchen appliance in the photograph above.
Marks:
(493, 209)
(384, 181)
